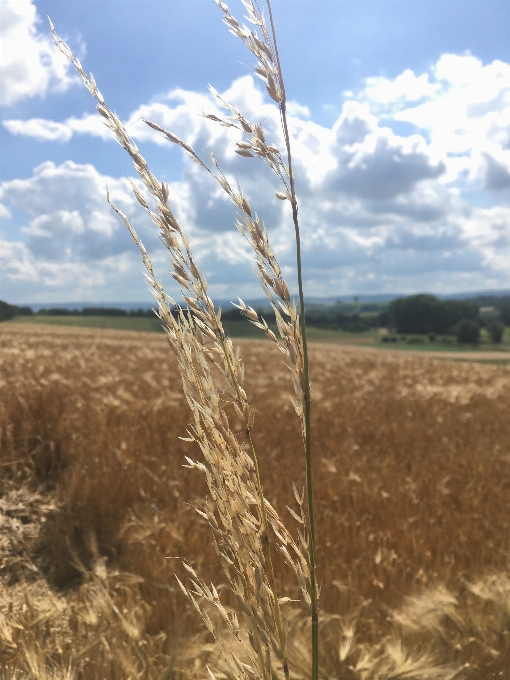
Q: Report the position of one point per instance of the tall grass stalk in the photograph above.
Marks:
(306, 376)
(243, 521)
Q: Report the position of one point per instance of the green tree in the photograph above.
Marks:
(468, 332)
(414, 314)
(504, 312)
(496, 330)
(8, 311)
(423, 314)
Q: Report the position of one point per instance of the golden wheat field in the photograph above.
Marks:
(412, 466)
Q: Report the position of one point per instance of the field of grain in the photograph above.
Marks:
(412, 462)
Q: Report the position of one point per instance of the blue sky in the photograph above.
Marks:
(400, 118)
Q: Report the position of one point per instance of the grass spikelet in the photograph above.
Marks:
(235, 486)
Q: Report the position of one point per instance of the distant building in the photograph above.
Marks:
(487, 310)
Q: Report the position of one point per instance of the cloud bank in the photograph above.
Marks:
(408, 190)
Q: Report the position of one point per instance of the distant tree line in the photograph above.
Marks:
(8, 311)
(321, 317)
(415, 315)
(426, 314)
(355, 322)
(95, 311)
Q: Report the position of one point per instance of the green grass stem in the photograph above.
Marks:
(306, 379)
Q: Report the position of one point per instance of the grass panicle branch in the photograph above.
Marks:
(233, 477)
(268, 68)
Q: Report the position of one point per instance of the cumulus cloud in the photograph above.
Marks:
(68, 218)
(74, 243)
(356, 155)
(27, 276)
(488, 230)
(496, 175)
(29, 65)
(373, 162)
(5, 213)
(464, 108)
(405, 87)
(44, 130)
(379, 209)
(17, 262)
(297, 109)
(72, 246)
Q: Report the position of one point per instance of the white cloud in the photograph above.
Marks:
(465, 111)
(69, 219)
(380, 211)
(44, 130)
(373, 162)
(40, 129)
(76, 246)
(30, 65)
(5, 213)
(296, 109)
(356, 154)
(405, 87)
(55, 224)
(44, 280)
(16, 262)
(489, 231)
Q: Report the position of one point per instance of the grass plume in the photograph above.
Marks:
(242, 535)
